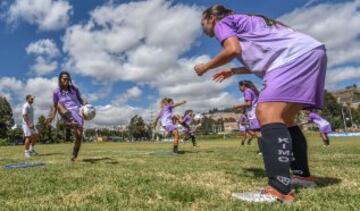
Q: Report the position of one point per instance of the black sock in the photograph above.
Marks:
(276, 149)
(299, 163)
(75, 152)
(175, 149)
(193, 140)
(327, 142)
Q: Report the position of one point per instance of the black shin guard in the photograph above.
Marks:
(299, 163)
(193, 140)
(175, 149)
(327, 142)
(276, 149)
(76, 152)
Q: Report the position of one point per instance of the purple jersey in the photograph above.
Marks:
(165, 116)
(243, 120)
(324, 126)
(264, 48)
(70, 99)
(187, 119)
(243, 123)
(250, 95)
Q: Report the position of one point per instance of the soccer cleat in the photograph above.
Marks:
(74, 159)
(27, 154)
(266, 195)
(307, 182)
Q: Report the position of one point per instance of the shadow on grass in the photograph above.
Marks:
(255, 172)
(207, 151)
(326, 181)
(49, 154)
(181, 152)
(97, 160)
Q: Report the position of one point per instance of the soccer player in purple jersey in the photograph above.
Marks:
(293, 67)
(251, 94)
(186, 121)
(67, 102)
(323, 125)
(166, 118)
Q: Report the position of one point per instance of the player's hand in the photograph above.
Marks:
(200, 69)
(222, 75)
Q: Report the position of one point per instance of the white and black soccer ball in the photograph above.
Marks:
(88, 112)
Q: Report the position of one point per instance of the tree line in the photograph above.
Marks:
(137, 130)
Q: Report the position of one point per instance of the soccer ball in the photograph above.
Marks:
(198, 117)
(88, 112)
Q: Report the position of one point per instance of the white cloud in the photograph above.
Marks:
(110, 115)
(46, 52)
(8, 86)
(337, 25)
(43, 47)
(43, 66)
(337, 75)
(48, 15)
(131, 41)
(134, 42)
(334, 24)
(130, 94)
(41, 88)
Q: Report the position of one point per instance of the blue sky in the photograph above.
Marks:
(32, 70)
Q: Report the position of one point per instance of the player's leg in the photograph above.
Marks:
(66, 115)
(175, 134)
(276, 142)
(325, 138)
(27, 140)
(77, 144)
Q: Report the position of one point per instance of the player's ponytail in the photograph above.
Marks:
(269, 22)
(250, 85)
(218, 10)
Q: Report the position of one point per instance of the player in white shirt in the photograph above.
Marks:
(28, 126)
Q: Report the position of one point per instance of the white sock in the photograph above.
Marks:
(30, 147)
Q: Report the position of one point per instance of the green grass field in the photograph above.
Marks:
(143, 176)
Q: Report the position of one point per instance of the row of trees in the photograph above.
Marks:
(338, 115)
